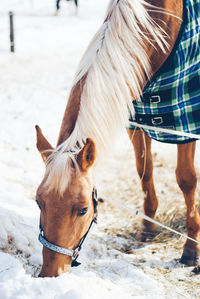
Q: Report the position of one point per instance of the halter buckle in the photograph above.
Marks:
(157, 120)
(155, 99)
(76, 253)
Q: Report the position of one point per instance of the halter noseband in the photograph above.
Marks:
(74, 253)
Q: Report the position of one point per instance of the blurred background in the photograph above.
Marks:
(36, 78)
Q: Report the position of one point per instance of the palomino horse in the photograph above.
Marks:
(133, 43)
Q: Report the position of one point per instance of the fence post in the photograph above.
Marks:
(12, 37)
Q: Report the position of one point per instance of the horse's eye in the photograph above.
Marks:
(82, 212)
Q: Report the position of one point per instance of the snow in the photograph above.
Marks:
(34, 85)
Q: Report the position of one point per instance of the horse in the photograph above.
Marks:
(135, 40)
(58, 5)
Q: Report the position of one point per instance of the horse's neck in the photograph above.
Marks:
(71, 111)
(168, 23)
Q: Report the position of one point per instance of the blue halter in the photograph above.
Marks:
(54, 247)
(70, 252)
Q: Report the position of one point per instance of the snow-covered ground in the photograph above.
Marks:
(34, 85)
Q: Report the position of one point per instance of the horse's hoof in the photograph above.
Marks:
(190, 257)
(196, 270)
(146, 235)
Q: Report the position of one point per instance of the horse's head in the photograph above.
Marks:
(65, 216)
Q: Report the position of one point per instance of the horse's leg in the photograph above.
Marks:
(57, 4)
(144, 164)
(76, 4)
(57, 7)
(187, 180)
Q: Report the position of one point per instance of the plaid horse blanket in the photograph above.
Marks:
(171, 99)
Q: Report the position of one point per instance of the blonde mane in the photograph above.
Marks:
(115, 65)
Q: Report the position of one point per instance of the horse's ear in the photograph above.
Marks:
(87, 156)
(43, 146)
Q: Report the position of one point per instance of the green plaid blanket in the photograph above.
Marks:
(171, 99)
